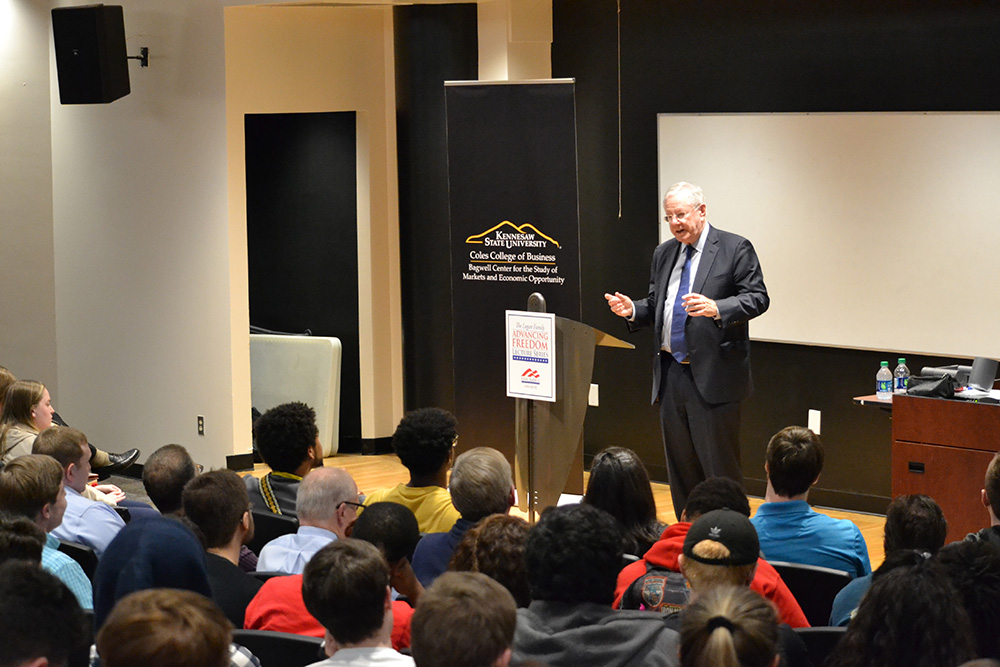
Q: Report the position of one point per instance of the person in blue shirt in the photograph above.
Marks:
(481, 484)
(789, 529)
(88, 522)
(31, 486)
(912, 523)
(327, 503)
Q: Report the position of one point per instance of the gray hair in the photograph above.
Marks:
(694, 193)
(480, 483)
(321, 491)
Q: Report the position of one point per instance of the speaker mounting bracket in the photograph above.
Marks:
(143, 57)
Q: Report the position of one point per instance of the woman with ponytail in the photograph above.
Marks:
(729, 626)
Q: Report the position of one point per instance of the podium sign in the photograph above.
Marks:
(531, 355)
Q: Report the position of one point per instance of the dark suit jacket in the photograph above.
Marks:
(719, 350)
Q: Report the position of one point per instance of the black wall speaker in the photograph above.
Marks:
(90, 54)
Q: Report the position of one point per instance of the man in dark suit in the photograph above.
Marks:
(705, 285)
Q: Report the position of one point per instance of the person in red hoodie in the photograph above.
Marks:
(654, 582)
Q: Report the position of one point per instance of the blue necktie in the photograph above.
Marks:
(678, 344)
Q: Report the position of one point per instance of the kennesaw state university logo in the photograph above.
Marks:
(511, 237)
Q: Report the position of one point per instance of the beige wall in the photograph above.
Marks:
(122, 226)
(27, 288)
(318, 59)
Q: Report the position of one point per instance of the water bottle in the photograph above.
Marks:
(901, 376)
(883, 382)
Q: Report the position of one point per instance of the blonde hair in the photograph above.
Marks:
(703, 576)
(729, 626)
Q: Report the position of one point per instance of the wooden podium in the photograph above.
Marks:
(941, 448)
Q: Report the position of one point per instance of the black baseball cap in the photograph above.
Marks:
(730, 529)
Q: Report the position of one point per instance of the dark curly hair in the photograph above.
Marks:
(574, 554)
(910, 617)
(423, 440)
(974, 570)
(495, 547)
(716, 493)
(284, 435)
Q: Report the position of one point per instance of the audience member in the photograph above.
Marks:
(974, 571)
(42, 620)
(913, 522)
(619, 485)
(288, 439)
(789, 529)
(164, 475)
(720, 550)
(27, 411)
(32, 400)
(327, 504)
(31, 486)
(729, 626)
(152, 553)
(989, 496)
(20, 539)
(910, 617)
(465, 619)
(424, 441)
(86, 521)
(346, 587)
(481, 484)
(655, 581)
(495, 547)
(218, 504)
(393, 530)
(165, 627)
(573, 555)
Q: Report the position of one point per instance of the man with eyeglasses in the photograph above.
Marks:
(704, 287)
(327, 504)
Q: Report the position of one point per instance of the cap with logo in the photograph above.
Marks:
(730, 529)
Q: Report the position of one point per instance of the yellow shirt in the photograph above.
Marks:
(430, 504)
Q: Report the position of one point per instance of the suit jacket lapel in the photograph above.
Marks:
(707, 258)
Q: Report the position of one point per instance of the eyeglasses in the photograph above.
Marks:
(680, 217)
(352, 504)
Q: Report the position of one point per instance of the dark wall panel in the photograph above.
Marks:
(433, 44)
(735, 56)
(302, 236)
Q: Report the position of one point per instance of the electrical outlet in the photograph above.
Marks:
(201, 425)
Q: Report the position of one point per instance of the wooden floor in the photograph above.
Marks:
(381, 471)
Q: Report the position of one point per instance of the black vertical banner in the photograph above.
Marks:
(514, 231)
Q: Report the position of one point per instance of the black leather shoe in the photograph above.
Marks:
(118, 462)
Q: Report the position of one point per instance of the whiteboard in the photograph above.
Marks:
(874, 230)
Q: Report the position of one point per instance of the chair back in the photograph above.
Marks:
(268, 526)
(264, 576)
(80, 655)
(281, 649)
(814, 588)
(83, 555)
(820, 641)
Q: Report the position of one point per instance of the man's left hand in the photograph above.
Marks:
(699, 305)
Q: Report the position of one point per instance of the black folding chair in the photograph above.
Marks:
(820, 641)
(280, 649)
(82, 554)
(268, 526)
(814, 588)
